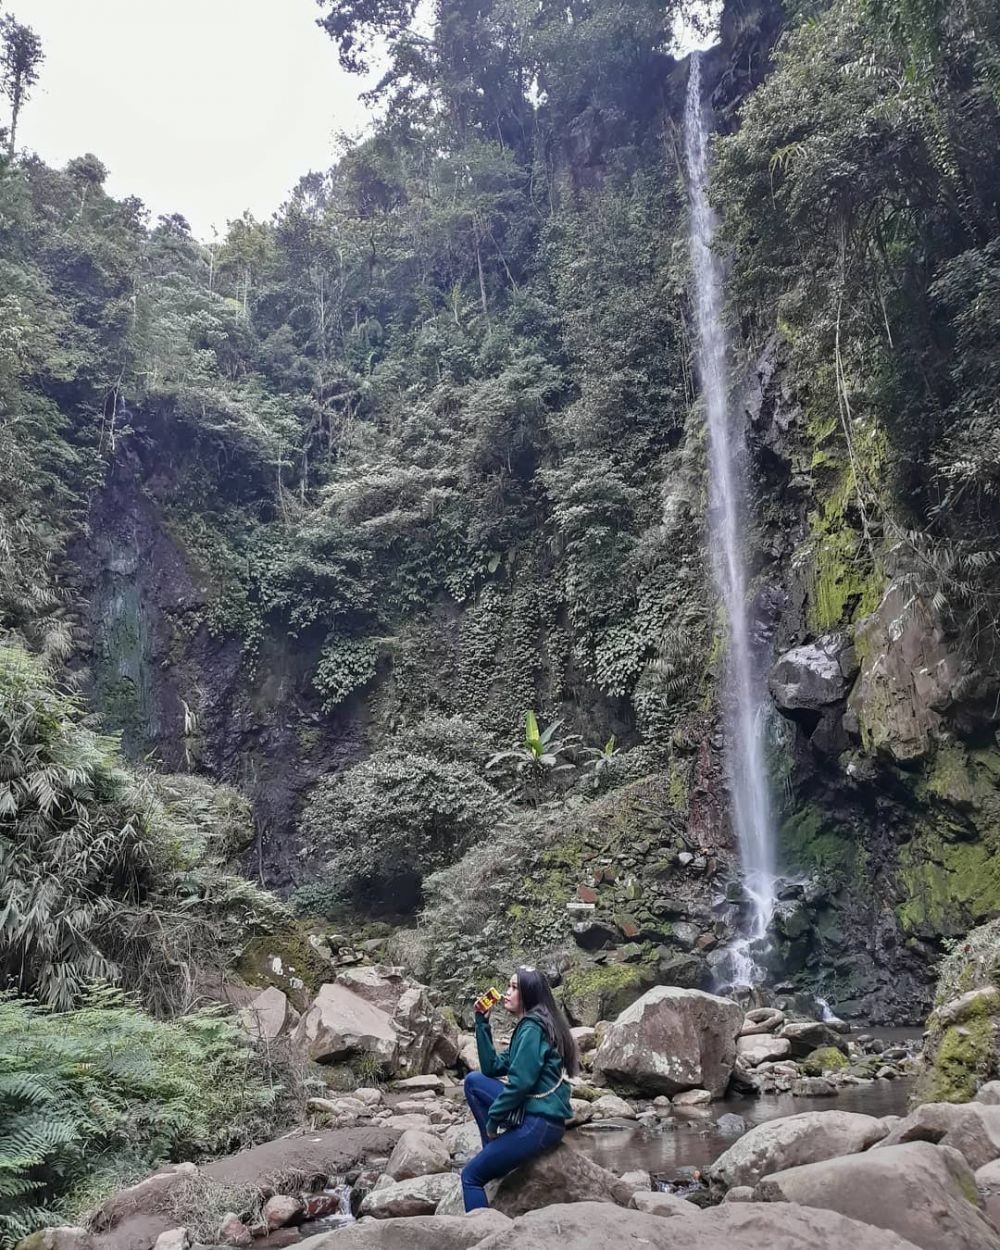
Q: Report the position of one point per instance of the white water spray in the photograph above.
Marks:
(743, 704)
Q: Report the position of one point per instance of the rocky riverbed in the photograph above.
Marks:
(695, 1124)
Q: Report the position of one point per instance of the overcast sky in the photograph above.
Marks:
(203, 107)
(200, 107)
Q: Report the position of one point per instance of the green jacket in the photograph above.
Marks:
(532, 1067)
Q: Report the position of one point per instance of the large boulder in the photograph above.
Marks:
(426, 1039)
(418, 1154)
(923, 1192)
(563, 1175)
(418, 1196)
(746, 1226)
(270, 1015)
(814, 676)
(791, 1141)
(423, 1232)
(805, 1036)
(973, 1129)
(671, 1040)
(341, 1025)
(761, 1048)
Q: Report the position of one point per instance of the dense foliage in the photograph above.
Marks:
(105, 873)
(105, 1093)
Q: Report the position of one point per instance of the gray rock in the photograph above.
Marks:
(791, 1141)
(743, 1226)
(814, 676)
(637, 1181)
(989, 1094)
(671, 1040)
(806, 1036)
(692, 1098)
(973, 1129)
(281, 1209)
(668, 1205)
(611, 1107)
(63, 1237)
(463, 1141)
(739, 1193)
(270, 1015)
(427, 1232)
(563, 1175)
(761, 1048)
(341, 1025)
(918, 1190)
(418, 1154)
(418, 1196)
(762, 1020)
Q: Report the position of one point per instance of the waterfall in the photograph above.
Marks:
(742, 695)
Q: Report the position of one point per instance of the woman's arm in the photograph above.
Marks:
(490, 1063)
(527, 1058)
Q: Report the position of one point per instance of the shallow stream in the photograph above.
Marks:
(697, 1140)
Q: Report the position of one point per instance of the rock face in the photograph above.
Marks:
(744, 1226)
(812, 677)
(671, 1040)
(562, 1175)
(924, 1193)
(791, 1141)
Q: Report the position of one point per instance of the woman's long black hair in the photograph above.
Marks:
(537, 1000)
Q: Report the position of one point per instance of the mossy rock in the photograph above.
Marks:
(602, 991)
(824, 1059)
(958, 1060)
(285, 959)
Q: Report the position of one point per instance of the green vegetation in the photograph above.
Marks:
(97, 1097)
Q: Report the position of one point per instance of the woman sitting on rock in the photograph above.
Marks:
(527, 1115)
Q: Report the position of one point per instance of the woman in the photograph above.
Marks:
(528, 1114)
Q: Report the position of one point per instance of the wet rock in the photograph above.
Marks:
(918, 1190)
(671, 1040)
(814, 676)
(594, 935)
(562, 1175)
(730, 1125)
(791, 1141)
(583, 1112)
(418, 1154)
(692, 1098)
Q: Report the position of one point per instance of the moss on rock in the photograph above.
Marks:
(600, 991)
(961, 1058)
(824, 1059)
(285, 959)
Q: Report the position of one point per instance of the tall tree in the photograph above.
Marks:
(21, 56)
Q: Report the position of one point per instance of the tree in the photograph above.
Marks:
(20, 57)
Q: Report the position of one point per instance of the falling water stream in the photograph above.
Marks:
(743, 702)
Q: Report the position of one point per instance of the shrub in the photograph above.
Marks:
(109, 1091)
(107, 873)
(394, 817)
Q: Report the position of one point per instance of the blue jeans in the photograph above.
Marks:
(502, 1154)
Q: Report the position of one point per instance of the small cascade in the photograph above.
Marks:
(742, 696)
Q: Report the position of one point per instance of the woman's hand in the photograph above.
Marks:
(479, 1009)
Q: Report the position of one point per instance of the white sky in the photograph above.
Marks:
(202, 107)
